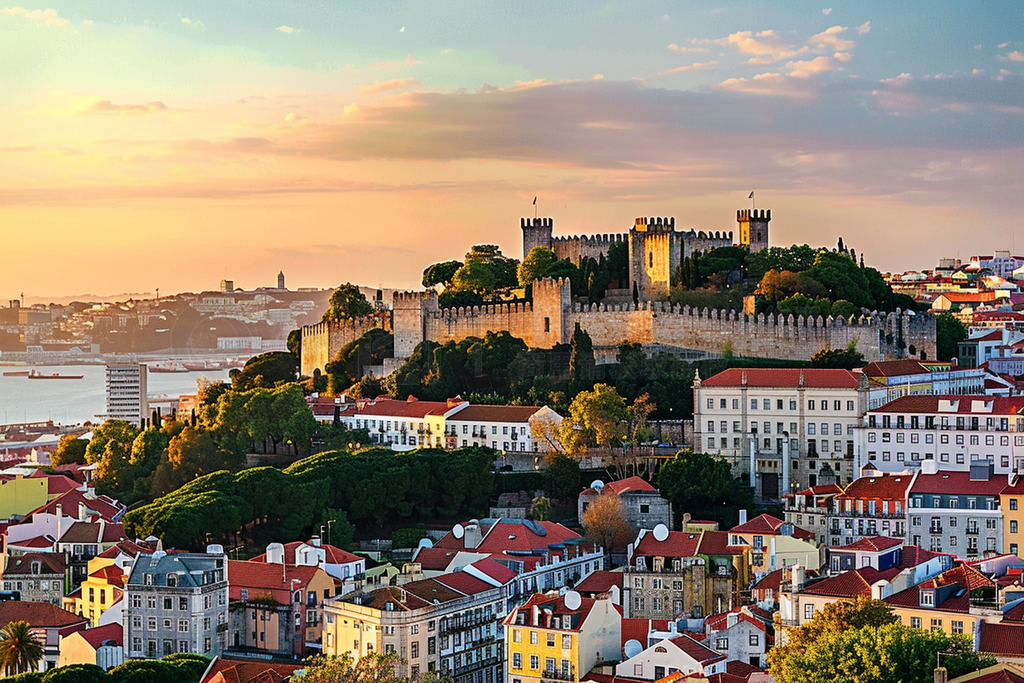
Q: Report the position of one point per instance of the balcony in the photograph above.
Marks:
(973, 530)
(558, 676)
(935, 529)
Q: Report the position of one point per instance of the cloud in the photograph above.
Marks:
(401, 30)
(108, 107)
(598, 77)
(684, 50)
(48, 16)
(765, 47)
(830, 39)
(386, 86)
(286, 29)
(865, 28)
(1016, 56)
(766, 84)
(696, 66)
(186, 20)
(827, 11)
(810, 67)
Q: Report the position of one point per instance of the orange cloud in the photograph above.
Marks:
(696, 66)
(386, 86)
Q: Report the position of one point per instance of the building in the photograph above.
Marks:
(275, 609)
(873, 505)
(126, 392)
(782, 429)
(957, 512)
(642, 504)
(36, 577)
(449, 624)
(953, 431)
(401, 425)
(743, 634)
(177, 602)
(101, 590)
(984, 344)
(676, 574)
(48, 622)
(1013, 514)
(228, 670)
(348, 569)
(526, 429)
(877, 552)
(809, 509)
(892, 379)
(102, 646)
(20, 495)
(774, 543)
(560, 637)
(955, 602)
(682, 654)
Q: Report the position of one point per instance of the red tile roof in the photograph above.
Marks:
(488, 413)
(224, 670)
(959, 483)
(600, 581)
(911, 597)
(717, 543)
(504, 535)
(820, 490)
(495, 570)
(37, 614)
(629, 484)
(703, 655)
(678, 544)
(638, 629)
(464, 583)
(784, 377)
(435, 559)
(720, 622)
(872, 544)
(99, 635)
(111, 574)
(769, 526)
(913, 555)
(770, 582)
(101, 505)
(894, 368)
(393, 408)
(90, 532)
(332, 554)
(1003, 638)
(924, 403)
(887, 487)
(260, 576)
(850, 584)
(50, 563)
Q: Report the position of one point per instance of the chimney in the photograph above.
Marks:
(743, 516)
(81, 512)
(60, 519)
(103, 527)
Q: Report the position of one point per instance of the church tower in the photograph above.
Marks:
(753, 226)
(280, 280)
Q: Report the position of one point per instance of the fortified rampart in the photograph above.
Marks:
(578, 247)
(322, 341)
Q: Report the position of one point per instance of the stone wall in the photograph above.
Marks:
(575, 248)
(322, 341)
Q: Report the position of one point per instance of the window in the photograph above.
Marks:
(517, 635)
(767, 404)
(957, 626)
(721, 644)
(414, 649)
(1013, 526)
(792, 404)
(551, 639)
(753, 404)
(810, 405)
(517, 660)
(533, 639)
(182, 625)
(915, 622)
(808, 610)
(534, 662)
(755, 640)
(566, 641)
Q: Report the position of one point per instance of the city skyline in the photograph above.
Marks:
(174, 146)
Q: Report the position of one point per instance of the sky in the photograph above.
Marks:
(170, 145)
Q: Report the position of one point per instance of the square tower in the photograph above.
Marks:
(753, 225)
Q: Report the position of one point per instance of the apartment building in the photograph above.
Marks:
(782, 429)
(954, 431)
(893, 379)
(957, 512)
(177, 602)
(126, 392)
(38, 577)
(503, 428)
(809, 509)
(873, 505)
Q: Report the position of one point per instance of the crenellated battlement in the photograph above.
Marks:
(536, 222)
(692, 234)
(753, 215)
(321, 341)
(645, 224)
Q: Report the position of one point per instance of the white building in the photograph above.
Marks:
(957, 512)
(785, 429)
(402, 425)
(892, 379)
(1001, 263)
(503, 428)
(126, 392)
(954, 431)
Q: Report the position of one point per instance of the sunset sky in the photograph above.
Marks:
(168, 145)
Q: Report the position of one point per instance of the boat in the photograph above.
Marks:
(172, 366)
(35, 374)
(17, 373)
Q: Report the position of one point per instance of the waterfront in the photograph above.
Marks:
(75, 401)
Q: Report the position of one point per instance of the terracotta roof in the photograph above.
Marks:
(702, 654)
(97, 636)
(600, 581)
(393, 408)
(720, 622)
(821, 490)
(50, 563)
(818, 378)
(129, 548)
(767, 525)
(770, 582)
(464, 583)
(102, 505)
(887, 487)
(629, 484)
(37, 614)
(332, 554)
(494, 569)
(555, 606)
(717, 543)
(435, 559)
(894, 368)
(431, 590)
(639, 629)
(500, 536)
(89, 532)
(43, 541)
(850, 584)
(958, 483)
(57, 484)
(872, 544)
(224, 670)
(111, 575)
(913, 555)
(262, 576)
(1002, 638)
(678, 544)
(487, 413)
(959, 601)
(964, 405)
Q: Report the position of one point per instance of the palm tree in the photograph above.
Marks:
(20, 651)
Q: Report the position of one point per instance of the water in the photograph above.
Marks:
(73, 401)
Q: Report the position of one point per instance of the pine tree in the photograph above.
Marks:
(581, 361)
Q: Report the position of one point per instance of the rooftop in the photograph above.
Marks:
(816, 378)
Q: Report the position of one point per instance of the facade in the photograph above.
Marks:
(348, 569)
(877, 552)
(782, 429)
(957, 512)
(102, 646)
(176, 603)
(890, 380)
(643, 506)
(742, 635)
(774, 544)
(681, 654)
(126, 392)
(448, 625)
(101, 590)
(49, 624)
(1012, 510)
(401, 425)
(873, 505)
(548, 639)
(809, 509)
(37, 577)
(954, 431)
(951, 602)
(503, 428)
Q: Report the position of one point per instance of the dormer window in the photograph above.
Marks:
(149, 579)
(927, 598)
(172, 580)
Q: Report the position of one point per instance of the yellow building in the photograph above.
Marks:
(553, 637)
(954, 602)
(101, 646)
(21, 495)
(102, 589)
(1011, 504)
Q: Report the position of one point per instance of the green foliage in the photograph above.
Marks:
(581, 361)
(451, 298)
(540, 509)
(535, 265)
(266, 371)
(295, 343)
(596, 418)
(371, 488)
(28, 677)
(949, 332)
(20, 650)
(721, 263)
(339, 531)
(440, 273)
(347, 301)
(796, 259)
(347, 367)
(188, 666)
(842, 277)
(846, 359)
(407, 538)
(76, 673)
(261, 420)
(110, 448)
(70, 449)
(163, 670)
(562, 478)
(703, 486)
(708, 297)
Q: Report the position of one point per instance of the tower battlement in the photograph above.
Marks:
(655, 223)
(753, 227)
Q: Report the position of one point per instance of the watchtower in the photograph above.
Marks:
(536, 233)
(753, 226)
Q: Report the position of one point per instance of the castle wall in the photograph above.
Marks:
(576, 248)
(322, 341)
(700, 241)
(411, 313)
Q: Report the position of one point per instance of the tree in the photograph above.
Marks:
(347, 367)
(378, 667)
(77, 673)
(605, 522)
(847, 359)
(596, 418)
(295, 343)
(347, 301)
(535, 265)
(440, 273)
(70, 449)
(949, 332)
(110, 447)
(340, 532)
(540, 509)
(20, 650)
(266, 370)
(562, 477)
(581, 361)
(703, 485)
(639, 411)
(474, 276)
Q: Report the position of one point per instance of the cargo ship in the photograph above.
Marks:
(35, 374)
(17, 373)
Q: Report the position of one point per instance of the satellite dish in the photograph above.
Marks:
(425, 543)
(660, 533)
(632, 648)
(597, 485)
(458, 531)
(573, 601)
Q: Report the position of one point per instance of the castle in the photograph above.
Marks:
(655, 249)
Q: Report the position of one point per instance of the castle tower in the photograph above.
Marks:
(280, 280)
(753, 228)
(536, 233)
(552, 308)
(409, 315)
(653, 252)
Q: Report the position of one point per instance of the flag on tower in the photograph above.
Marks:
(535, 201)
(751, 195)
